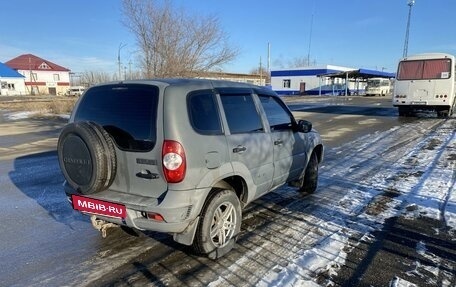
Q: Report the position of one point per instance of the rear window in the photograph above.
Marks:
(127, 112)
(424, 69)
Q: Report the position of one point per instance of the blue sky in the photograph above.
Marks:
(85, 35)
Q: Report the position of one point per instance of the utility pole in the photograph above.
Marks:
(410, 3)
(261, 72)
(129, 69)
(268, 77)
(310, 34)
(118, 60)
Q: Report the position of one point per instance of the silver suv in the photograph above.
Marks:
(183, 156)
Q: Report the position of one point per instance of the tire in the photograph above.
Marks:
(310, 180)
(87, 157)
(219, 225)
(404, 112)
(443, 114)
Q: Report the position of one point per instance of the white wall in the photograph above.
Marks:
(12, 86)
(47, 76)
(45, 80)
(307, 75)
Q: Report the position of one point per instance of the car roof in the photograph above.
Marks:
(192, 83)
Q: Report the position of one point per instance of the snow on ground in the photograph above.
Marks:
(405, 171)
(14, 116)
(409, 170)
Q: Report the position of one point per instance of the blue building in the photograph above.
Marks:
(323, 80)
(11, 82)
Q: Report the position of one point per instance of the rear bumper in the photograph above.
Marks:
(424, 107)
(178, 208)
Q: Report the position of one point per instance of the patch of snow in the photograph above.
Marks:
(420, 183)
(13, 116)
(399, 282)
(64, 116)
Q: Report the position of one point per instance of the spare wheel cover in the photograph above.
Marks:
(81, 157)
(77, 160)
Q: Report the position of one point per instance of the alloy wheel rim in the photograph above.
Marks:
(223, 224)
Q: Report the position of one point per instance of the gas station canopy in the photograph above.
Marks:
(359, 74)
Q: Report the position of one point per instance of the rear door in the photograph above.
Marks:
(249, 144)
(129, 114)
(288, 146)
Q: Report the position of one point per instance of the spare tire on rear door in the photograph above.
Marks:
(87, 157)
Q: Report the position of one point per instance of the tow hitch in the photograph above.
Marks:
(101, 225)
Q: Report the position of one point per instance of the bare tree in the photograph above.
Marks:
(173, 43)
(263, 72)
(90, 78)
(296, 62)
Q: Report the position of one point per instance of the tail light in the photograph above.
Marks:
(174, 161)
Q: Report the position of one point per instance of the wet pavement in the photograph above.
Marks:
(360, 207)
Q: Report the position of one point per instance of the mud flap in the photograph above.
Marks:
(186, 237)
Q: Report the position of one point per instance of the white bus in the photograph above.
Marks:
(425, 82)
(378, 86)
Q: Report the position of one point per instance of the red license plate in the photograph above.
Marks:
(99, 207)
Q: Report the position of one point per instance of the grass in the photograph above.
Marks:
(55, 106)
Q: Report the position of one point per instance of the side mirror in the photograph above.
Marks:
(304, 126)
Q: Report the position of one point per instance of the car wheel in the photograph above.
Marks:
(219, 225)
(87, 157)
(310, 180)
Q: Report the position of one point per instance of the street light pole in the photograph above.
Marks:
(118, 59)
(410, 3)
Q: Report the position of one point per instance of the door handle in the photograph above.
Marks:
(278, 142)
(239, 149)
(146, 174)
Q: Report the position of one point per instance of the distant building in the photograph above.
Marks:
(255, 79)
(302, 81)
(324, 80)
(41, 76)
(11, 82)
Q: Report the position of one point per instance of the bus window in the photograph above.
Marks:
(410, 70)
(437, 69)
(424, 69)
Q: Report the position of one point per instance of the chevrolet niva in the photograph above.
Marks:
(183, 156)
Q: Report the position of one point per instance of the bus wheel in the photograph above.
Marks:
(403, 112)
(443, 113)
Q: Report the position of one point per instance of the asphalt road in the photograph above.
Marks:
(45, 243)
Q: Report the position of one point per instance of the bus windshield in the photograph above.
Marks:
(424, 69)
(378, 83)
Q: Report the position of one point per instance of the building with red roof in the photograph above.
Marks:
(41, 76)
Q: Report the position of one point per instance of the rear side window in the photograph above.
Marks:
(127, 112)
(203, 113)
(241, 113)
(278, 117)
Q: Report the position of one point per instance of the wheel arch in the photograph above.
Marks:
(235, 183)
(318, 150)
